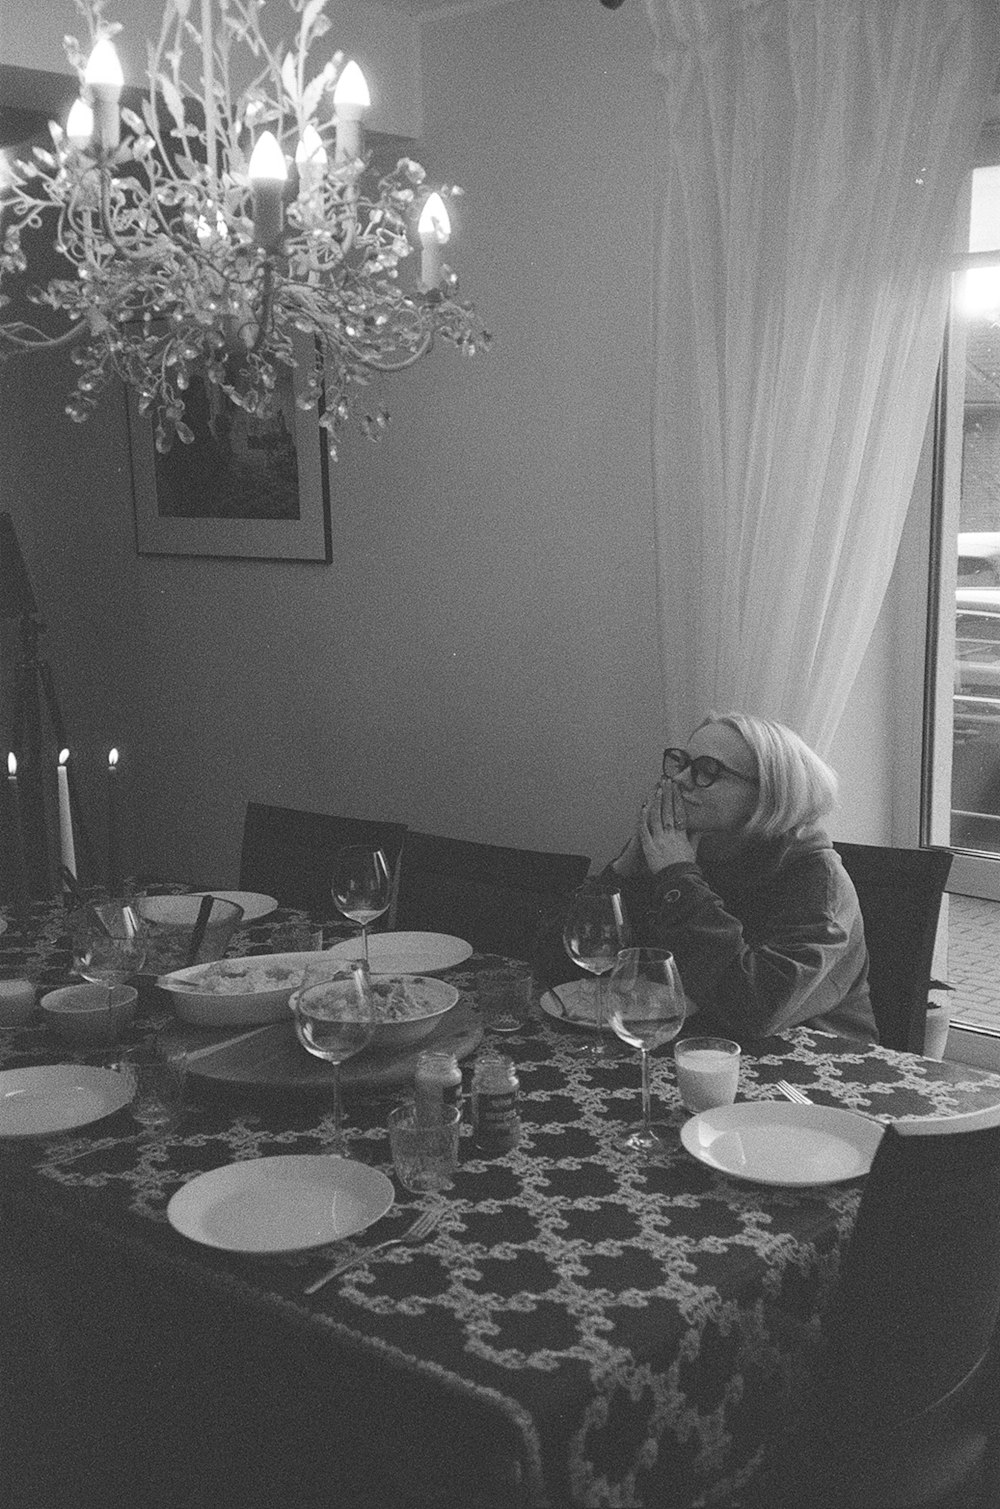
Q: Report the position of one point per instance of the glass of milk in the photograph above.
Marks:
(708, 1071)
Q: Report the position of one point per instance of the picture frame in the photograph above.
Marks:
(245, 489)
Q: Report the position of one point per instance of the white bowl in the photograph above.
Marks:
(437, 997)
(88, 1014)
(269, 980)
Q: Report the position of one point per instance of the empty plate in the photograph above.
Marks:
(406, 953)
(280, 1204)
(777, 1142)
(57, 1097)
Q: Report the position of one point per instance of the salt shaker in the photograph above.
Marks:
(495, 1118)
(437, 1085)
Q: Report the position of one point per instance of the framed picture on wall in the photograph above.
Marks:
(246, 488)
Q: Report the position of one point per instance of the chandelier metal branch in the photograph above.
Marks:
(218, 233)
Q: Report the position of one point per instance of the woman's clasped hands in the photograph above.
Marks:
(661, 836)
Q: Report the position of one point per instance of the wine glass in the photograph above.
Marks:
(109, 945)
(646, 1009)
(334, 1019)
(361, 886)
(594, 932)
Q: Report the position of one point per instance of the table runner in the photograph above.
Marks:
(622, 1329)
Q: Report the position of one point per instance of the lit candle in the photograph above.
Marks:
(311, 161)
(114, 878)
(434, 229)
(80, 125)
(350, 101)
(67, 849)
(14, 803)
(104, 78)
(268, 175)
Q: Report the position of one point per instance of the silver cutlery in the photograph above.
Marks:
(792, 1093)
(421, 1228)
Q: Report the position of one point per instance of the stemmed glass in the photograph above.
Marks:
(647, 1008)
(361, 886)
(109, 944)
(594, 932)
(334, 1019)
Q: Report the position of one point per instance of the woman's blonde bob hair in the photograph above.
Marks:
(796, 788)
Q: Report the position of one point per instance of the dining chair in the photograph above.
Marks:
(287, 853)
(900, 892)
(493, 897)
(898, 1412)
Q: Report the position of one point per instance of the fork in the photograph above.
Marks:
(422, 1227)
(792, 1093)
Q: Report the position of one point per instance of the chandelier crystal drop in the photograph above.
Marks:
(220, 234)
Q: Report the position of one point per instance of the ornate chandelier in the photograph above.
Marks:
(218, 234)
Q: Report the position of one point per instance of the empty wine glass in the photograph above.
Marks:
(109, 944)
(361, 886)
(334, 1019)
(647, 1006)
(594, 932)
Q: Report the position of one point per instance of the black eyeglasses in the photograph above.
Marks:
(705, 769)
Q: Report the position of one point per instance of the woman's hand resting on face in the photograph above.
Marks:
(661, 832)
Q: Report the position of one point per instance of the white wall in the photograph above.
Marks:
(481, 656)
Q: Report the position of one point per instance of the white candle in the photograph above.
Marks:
(104, 78)
(350, 101)
(114, 879)
(67, 849)
(434, 229)
(20, 864)
(268, 175)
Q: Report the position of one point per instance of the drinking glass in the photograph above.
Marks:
(595, 931)
(334, 1019)
(361, 886)
(647, 1008)
(109, 945)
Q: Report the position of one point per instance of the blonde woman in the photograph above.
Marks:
(730, 869)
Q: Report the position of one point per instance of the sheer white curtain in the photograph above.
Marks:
(813, 158)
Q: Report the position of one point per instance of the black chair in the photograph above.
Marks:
(900, 893)
(493, 897)
(898, 1413)
(288, 854)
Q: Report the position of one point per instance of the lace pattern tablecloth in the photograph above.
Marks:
(625, 1324)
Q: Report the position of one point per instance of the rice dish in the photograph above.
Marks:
(241, 977)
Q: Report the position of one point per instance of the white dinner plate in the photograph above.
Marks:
(575, 1003)
(57, 1097)
(280, 1204)
(253, 903)
(406, 953)
(778, 1142)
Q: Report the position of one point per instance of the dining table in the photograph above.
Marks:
(582, 1326)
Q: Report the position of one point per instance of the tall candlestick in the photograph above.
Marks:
(14, 805)
(67, 848)
(114, 865)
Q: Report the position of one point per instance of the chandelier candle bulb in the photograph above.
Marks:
(268, 175)
(104, 78)
(434, 230)
(80, 125)
(67, 848)
(350, 101)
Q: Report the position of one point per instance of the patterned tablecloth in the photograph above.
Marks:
(617, 1329)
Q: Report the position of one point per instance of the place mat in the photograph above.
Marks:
(273, 1057)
